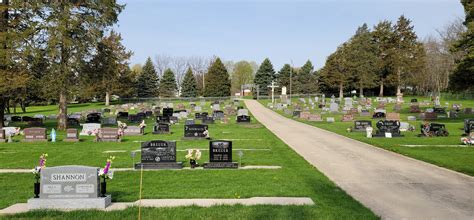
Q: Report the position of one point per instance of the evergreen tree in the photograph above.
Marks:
(461, 79)
(283, 76)
(335, 72)
(409, 53)
(147, 82)
(264, 76)
(103, 73)
(168, 87)
(305, 80)
(362, 59)
(383, 37)
(217, 80)
(189, 88)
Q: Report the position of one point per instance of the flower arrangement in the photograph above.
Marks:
(193, 155)
(42, 164)
(106, 173)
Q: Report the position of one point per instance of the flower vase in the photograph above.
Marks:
(193, 163)
(37, 189)
(103, 188)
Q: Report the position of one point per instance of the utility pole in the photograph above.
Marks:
(291, 79)
(273, 86)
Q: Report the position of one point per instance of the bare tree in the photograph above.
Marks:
(440, 59)
(162, 62)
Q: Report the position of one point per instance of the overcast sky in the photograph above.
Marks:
(282, 30)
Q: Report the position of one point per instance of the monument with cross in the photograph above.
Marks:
(273, 86)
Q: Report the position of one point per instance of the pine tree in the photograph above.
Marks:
(283, 76)
(147, 82)
(102, 74)
(383, 36)
(461, 79)
(408, 55)
(264, 76)
(335, 72)
(168, 87)
(305, 81)
(362, 59)
(189, 87)
(217, 80)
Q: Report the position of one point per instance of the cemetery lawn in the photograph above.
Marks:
(434, 149)
(296, 178)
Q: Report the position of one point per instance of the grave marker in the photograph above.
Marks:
(133, 131)
(161, 128)
(220, 155)
(35, 134)
(71, 135)
(159, 155)
(196, 131)
(362, 125)
(108, 135)
(69, 187)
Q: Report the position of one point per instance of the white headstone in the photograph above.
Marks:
(89, 128)
(334, 107)
(283, 90)
(242, 112)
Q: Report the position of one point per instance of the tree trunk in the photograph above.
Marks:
(399, 87)
(341, 92)
(381, 89)
(62, 118)
(107, 99)
(23, 105)
(14, 107)
(2, 112)
(361, 91)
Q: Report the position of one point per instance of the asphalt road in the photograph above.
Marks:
(391, 185)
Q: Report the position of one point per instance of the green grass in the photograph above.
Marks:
(460, 159)
(296, 178)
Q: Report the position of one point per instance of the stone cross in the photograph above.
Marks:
(273, 86)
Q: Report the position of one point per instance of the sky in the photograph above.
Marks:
(285, 31)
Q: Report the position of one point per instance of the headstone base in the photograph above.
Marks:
(3, 140)
(159, 166)
(108, 140)
(161, 132)
(78, 203)
(221, 165)
(383, 135)
(34, 140)
(194, 138)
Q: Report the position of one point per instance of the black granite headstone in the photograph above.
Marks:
(385, 126)
(158, 155)
(220, 155)
(362, 125)
(123, 115)
(468, 126)
(161, 128)
(243, 119)
(195, 131)
(168, 112)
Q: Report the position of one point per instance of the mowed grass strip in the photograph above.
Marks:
(460, 159)
(296, 178)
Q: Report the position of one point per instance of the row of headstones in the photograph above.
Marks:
(162, 155)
